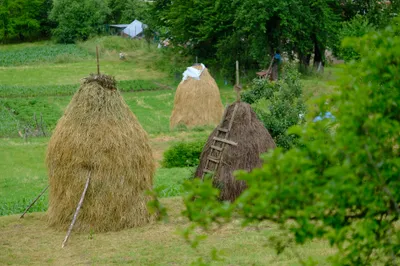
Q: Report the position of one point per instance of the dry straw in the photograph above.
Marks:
(197, 102)
(99, 134)
(252, 139)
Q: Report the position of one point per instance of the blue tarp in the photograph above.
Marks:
(327, 115)
(135, 28)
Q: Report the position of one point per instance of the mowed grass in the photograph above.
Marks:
(30, 241)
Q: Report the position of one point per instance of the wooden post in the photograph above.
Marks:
(237, 73)
(27, 209)
(97, 56)
(237, 87)
(76, 212)
(269, 70)
(196, 60)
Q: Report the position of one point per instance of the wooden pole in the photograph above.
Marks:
(237, 87)
(237, 73)
(27, 209)
(270, 67)
(76, 212)
(97, 56)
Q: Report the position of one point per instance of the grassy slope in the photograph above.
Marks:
(30, 241)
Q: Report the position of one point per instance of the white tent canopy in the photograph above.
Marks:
(135, 28)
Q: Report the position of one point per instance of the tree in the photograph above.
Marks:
(78, 19)
(342, 182)
(22, 19)
(249, 30)
(116, 9)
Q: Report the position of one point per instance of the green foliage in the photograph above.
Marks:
(135, 9)
(23, 19)
(78, 19)
(41, 54)
(248, 30)
(357, 27)
(278, 105)
(183, 154)
(23, 112)
(340, 186)
(125, 11)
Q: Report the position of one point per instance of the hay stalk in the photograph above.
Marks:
(77, 211)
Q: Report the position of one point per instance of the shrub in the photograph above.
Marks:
(279, 105)
(357, 27)
(183, 154)
(77, 20)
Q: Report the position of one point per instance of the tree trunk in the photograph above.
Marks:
(319, 54)
(304, 62)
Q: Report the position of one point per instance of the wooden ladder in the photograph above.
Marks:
(218, 145)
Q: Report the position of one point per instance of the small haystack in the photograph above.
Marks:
(197, 101)
(98, 134)
(246, 140)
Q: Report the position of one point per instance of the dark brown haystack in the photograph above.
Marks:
(99, 134)
(197, 102)
(252, 139)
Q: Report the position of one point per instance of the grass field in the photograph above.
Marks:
(28, 241)
(40, 79)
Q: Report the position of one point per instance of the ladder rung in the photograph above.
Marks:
(223, 129)
(213, 159)
(216, 148)
(208, 171)
(225, 141)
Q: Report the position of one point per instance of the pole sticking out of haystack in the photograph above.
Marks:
(237, 73)
(97, 56)
(33, 202)
(237, 86)
(76, 212)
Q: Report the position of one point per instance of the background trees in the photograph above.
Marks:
(78, 19)
(24, 20)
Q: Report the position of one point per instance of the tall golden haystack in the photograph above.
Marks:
(98, 134)
(197, 102)
(235, 144)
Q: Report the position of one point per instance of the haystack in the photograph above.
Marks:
(197, 102)
(98, 134)
(247, 139)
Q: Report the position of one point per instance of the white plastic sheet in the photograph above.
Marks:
(193, 73)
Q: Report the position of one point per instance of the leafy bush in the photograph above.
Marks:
(183, 154)
(357, 27)
(278, 105)
(78, 19)
(260, 89)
